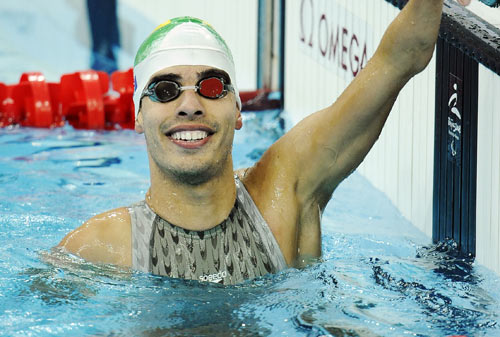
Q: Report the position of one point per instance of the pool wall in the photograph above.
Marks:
(412, 161)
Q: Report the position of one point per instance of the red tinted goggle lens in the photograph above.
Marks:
(165, 91)
(212, 87)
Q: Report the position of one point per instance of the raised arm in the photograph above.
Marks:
(320, 151)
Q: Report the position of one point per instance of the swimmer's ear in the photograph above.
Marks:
(239, 121)
(138, 123)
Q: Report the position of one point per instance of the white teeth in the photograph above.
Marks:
(189, 135)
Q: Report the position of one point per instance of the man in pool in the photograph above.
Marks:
(201, 219)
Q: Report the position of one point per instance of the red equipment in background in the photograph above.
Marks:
(31, 102)
(81, 96)
(120, 109)
(85, 101)
(8, 110)
(82, 99)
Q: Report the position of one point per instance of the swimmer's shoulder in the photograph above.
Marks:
(270, 183)
(104, 238)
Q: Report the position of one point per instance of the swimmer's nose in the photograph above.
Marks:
(190, 105)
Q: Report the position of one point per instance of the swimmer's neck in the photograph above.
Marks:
(193, 207)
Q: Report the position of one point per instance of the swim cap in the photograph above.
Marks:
(181, 41)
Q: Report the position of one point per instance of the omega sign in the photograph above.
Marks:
(333, 36)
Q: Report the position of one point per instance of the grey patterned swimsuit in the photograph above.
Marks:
(241, 247)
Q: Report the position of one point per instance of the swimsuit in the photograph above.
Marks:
(242, 247)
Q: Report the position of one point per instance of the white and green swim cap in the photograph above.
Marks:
(181, 41)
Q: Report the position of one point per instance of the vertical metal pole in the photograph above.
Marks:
(261, 31)
(265, 45)
(281, 75)
(271, 46)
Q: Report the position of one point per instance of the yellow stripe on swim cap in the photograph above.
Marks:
(162, 25)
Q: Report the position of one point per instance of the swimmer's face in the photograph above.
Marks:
(189, 137)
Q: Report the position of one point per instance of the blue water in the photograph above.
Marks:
(379, 275)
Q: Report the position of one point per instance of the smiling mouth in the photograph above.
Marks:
(189, 136)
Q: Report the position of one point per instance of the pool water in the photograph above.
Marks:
(379, 276)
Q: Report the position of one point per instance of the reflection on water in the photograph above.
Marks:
(141, 305)
(436, 293)
(384, 297)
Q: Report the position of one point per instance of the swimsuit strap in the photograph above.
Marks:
(241, 247)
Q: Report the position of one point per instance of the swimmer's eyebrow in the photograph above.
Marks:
(166, 77)
(214, 73)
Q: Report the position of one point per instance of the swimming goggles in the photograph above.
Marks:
(166, 90)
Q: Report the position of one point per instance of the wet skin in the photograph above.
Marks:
(192, 182)
(191, 162)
